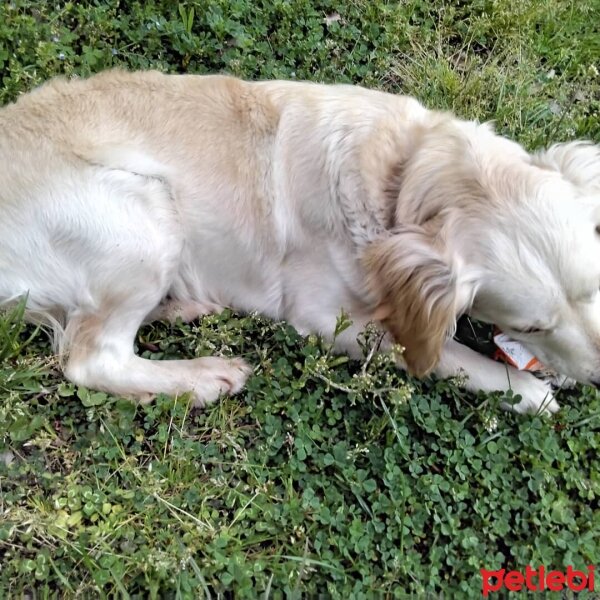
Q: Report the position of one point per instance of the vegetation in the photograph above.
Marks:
(325, 476)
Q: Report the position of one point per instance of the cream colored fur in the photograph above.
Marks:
(131, 196)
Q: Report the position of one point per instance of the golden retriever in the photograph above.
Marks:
(131, 196)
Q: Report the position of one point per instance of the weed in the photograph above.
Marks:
(325, 476)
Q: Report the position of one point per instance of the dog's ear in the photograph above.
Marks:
(578, 162)
(420, 292)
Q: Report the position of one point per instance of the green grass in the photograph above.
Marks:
(325, 476)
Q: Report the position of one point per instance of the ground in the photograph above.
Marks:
(345, 479)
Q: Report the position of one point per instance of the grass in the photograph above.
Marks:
(325, 477)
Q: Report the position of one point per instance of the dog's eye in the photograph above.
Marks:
(526, 330)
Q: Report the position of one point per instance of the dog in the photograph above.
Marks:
(132, 196)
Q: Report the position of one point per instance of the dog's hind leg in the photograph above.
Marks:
(100, 356)
(94, 253)
(129, 279)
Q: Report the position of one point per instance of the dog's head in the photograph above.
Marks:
(486, 229)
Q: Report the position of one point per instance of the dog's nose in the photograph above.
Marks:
(596, 383)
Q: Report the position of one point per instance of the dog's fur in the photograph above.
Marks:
(130, 196)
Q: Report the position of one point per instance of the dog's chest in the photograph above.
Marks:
(307, 286)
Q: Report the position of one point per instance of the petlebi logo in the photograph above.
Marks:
(537, 580)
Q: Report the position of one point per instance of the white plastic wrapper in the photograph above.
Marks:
(515, 354)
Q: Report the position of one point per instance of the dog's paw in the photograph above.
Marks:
(536, 397)
(219, 376)
(187, 311)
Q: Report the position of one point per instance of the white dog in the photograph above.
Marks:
(130, 196)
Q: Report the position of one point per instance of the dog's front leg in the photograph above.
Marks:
(483, 373)
(479, 371)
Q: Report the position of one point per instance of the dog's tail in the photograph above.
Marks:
(19, 309)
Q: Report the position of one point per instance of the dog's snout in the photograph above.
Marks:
(596, 383)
